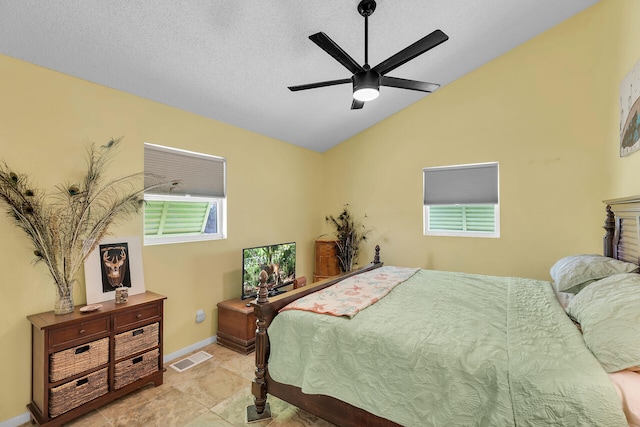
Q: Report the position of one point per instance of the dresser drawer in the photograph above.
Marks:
(77, 392)
(136, 340)
(66, 363)
(137, 315)
(135, 368)
(79, 331)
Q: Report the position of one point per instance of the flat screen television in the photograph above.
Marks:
(278, 260)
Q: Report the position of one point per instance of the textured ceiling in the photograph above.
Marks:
(233, 60)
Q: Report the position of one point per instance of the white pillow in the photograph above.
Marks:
(573, 273)
(609, 314)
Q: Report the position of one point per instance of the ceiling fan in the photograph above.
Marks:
(367, 80)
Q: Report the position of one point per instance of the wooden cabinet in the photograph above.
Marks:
(237, 325)
(327, 263)
(80, 361)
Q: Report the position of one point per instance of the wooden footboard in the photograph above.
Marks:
(326, 407)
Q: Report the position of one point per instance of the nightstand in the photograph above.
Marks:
(237, 325)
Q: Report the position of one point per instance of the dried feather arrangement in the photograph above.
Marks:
(66, 225)
(350, 233)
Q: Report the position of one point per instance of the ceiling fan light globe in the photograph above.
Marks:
(366, 94)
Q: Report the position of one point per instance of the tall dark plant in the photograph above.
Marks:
(350, 233)
(65, 225)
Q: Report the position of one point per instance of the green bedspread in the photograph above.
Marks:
(451, 349)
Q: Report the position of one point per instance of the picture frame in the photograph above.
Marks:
(630, 112)
(115, 262)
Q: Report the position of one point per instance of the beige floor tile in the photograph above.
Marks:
(294, 417)
(234, 409)
(214, 393)
(214, 387)
(169, 409)
(208, 419)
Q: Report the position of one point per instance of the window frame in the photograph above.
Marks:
(457, 233)
(427, 231)
(163, 196)
(150, 240)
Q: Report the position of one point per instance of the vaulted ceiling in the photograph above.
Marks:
(233, 60)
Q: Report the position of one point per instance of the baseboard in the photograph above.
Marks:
(16, 421)
(23, 418)
(187, 350)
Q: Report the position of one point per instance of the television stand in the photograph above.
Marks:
(237, 324)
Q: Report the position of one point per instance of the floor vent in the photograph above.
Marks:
(191, 361)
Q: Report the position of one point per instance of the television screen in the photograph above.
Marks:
(279, 261)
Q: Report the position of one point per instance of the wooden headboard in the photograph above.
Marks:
(622, 225)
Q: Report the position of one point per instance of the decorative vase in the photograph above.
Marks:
(64, 299)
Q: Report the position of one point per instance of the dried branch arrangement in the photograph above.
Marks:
(350, 233)
(65, 225)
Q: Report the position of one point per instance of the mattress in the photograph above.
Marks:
(451, 349)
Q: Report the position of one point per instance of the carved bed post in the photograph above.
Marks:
(261, 409)
(609, 226)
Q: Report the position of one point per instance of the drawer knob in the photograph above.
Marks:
(82, 331)
(139, 316)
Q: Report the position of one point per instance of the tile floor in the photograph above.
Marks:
(214, 393)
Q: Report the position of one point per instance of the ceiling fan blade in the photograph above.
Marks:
(408, 84)
(319, 84)
(329, 46)
(407, 54)
(357, 105)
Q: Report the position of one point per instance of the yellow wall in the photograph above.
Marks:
(546, 111)
(620, 20)
(45, 120)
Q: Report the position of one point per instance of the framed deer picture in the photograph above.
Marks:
(116, 262)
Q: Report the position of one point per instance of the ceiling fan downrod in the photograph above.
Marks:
(366, 9)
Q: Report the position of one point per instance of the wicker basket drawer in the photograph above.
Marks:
(136, 340)
(66, 363)
(130, 370)
(74, 393)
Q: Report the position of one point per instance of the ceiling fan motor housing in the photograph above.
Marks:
(366, 85)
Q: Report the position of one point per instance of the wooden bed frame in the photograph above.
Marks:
(622, 238)
(621, 241)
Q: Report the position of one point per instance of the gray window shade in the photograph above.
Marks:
(464, 185)
(198, 174)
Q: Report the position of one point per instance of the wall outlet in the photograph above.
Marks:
(200, 316)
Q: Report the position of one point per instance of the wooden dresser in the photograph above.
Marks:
(80, 361)
(326, 264)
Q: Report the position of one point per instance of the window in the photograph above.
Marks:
(193, 210)
(462, 200)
